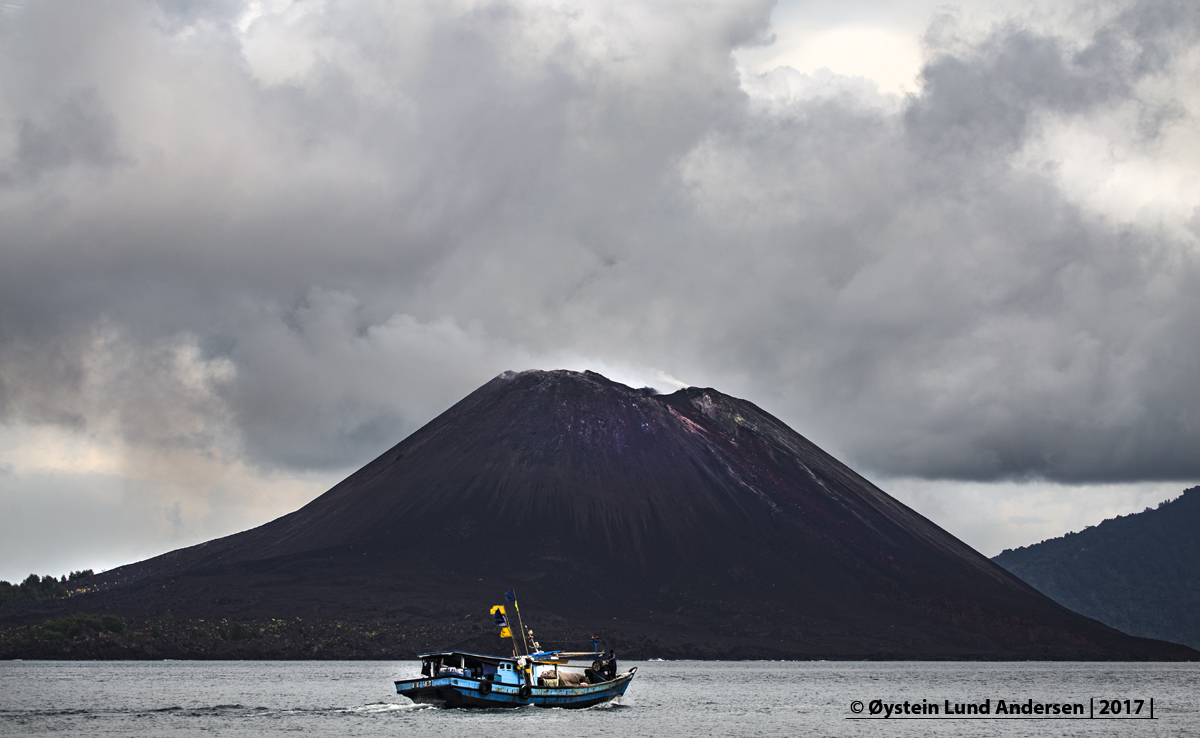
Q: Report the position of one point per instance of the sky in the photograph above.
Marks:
(245, 247)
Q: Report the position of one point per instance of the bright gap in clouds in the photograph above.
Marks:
(891, 58)
(993, 516)
(77, 500)
(878, 41)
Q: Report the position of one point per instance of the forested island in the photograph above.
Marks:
(1138, 573)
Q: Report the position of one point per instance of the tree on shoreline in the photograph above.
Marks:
(36, 589)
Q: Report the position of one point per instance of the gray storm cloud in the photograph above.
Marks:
(294, 232)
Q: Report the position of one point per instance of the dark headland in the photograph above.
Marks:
(689, 525)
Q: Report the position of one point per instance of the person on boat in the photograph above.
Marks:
(610, 666)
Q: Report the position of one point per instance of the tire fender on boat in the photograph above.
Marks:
(485, 687)
(524, 692)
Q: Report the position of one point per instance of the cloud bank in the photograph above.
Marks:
(248, 245)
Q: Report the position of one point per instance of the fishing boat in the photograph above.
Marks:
(530, 676)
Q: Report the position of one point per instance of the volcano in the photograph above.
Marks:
(692, 524)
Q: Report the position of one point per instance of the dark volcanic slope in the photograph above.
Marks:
(1139, 573)
(687, 524)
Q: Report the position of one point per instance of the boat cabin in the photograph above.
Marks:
(538, 668)
(477, 666)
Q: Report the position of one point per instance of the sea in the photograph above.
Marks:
(667, 698)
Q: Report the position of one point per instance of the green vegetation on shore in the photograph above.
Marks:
(1138, 573)
(36, 589)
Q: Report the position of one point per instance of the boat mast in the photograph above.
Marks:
(511, 596)
(501, 618)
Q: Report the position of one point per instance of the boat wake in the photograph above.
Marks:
(378, 707)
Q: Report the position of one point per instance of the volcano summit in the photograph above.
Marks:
(685, 525)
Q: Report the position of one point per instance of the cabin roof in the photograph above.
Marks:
(478, 656)
(539, 656)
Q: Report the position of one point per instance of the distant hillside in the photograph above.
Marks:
(1139, 573)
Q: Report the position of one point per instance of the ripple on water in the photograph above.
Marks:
(667, 699)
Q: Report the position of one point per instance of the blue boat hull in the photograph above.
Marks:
(467, 692)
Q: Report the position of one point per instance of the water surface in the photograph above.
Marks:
(678, 698)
